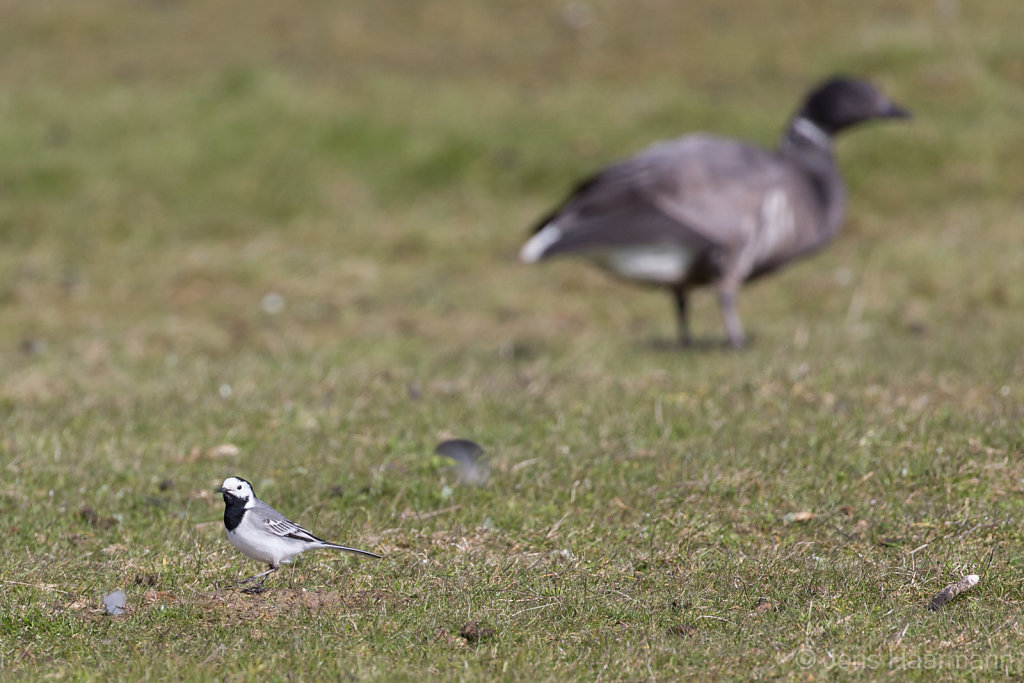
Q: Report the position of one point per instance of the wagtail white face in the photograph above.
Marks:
(263, 534)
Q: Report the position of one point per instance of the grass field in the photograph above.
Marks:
(280, 241)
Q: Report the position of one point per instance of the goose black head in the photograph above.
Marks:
(841, 102)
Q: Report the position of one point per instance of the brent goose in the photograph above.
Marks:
(703, 209)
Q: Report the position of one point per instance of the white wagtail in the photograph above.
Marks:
(264, 534)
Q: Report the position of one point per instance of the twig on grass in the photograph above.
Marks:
(953, 590)
(554, 528)
(433, 513)
(534, 608)
(40, 586)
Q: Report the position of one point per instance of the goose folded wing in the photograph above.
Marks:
(700, 191)
(712, 187)
(612, 209)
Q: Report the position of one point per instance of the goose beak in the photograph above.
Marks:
(895, 111)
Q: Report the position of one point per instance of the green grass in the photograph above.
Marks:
(166, 165)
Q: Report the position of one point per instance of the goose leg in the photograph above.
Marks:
(727, 291)
(679, 293)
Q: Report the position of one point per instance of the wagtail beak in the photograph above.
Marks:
(220, 489)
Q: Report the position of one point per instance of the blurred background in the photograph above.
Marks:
(167, 164)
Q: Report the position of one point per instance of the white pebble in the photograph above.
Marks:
(272, 303)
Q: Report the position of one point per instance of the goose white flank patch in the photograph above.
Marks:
(534, 250)
(263, 534)
(706, 210)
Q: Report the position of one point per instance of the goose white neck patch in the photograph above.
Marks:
(811, 132)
